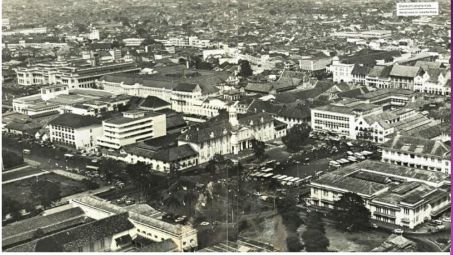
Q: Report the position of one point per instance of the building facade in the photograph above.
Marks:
(132, 127)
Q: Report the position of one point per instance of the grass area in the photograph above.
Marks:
(6, 176)
(21, 190)
(269, 230)
(352, 242)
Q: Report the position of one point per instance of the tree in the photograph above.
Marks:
(90, 184)
(296, 136)
(315, 240)
(47, 192)
(314, 221)
(293, 243)
(10, 206)
(245, 69)
(110, 168)
(11, 159)
(258, 148)
(350, 213)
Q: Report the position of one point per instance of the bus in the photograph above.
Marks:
(267, 170)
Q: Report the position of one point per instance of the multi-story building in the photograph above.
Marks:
(60, 98)
(435, 81)
(341, 119)
(417, 153)
(341, 72)
(228, 134)
(26, 31)
(378, 77)
(82, 76)
(396, 195)
(76, 131)
(406, 77)
(147, 224)
(132, 127)
(133, 42)
(381, 127)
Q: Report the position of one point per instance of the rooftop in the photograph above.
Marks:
(75, 120)
(418, 145)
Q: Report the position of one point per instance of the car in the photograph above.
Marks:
(446, 219)
(204, 223)
(438, 222)
(440, 227)
(130, 202)
(398, 231)
(374, 225)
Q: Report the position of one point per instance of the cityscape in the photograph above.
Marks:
(225, 126)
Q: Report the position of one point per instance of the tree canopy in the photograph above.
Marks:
(258, 148)
(296, 136)
(351, 214)
(47, 192)
(245, 69)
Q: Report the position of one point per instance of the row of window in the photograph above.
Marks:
(331, 124)
(62, 128)
(330, 116)
(63, 135)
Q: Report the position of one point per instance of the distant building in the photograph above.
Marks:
(417, 153)
(396, 195)
(341, 72)
(132, 127)
(75, 130)
(133, 42)
(72, 76)
(26, 31)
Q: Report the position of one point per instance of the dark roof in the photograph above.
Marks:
(174, 154)
(259, 87)
(417, 145)
(292, 96)
(75, 120)
(154, 102)
(25, 229)
(175, 121)
(360, 70)
(369, 57)
(71, 239)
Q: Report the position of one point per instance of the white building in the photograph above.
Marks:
(147, 221)
(417, 153)
(228, 134)
(75, 130)
(394, 194)
(132, 127)
(133, 42)
(341, 72)
(26, 31)
(341, 119)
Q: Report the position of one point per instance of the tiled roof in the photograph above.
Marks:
(382, 72)
(259, 87)
(154, 102)
(351, 184)
(417, 145)
(75, 120)
(25, 229)
(174, 154)
(405, 71)
(359, 70)
(82, 235)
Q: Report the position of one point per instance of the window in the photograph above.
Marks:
(80, 249)
(102, 244)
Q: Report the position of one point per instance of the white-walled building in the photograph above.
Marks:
(341, 119)
(132, 127)
(147, 221)
(341, 72)
(228, 135)
(76, 131)
(417, 153)
(397, 195)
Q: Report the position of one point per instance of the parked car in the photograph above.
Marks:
(398, 231)
(204, 223)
